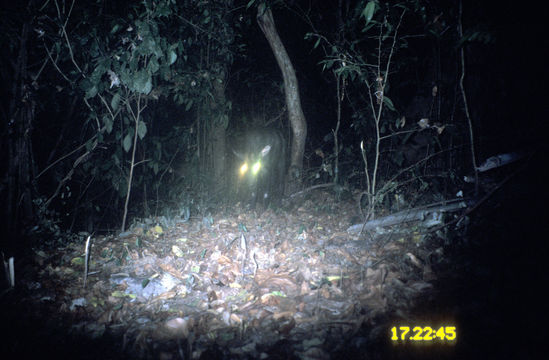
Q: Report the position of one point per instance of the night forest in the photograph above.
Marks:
(289, 179)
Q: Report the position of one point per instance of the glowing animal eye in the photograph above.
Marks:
(243, 168)
(256, 167)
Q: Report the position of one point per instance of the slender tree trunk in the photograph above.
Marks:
(291, 91)
(218, 134)
(18, 209)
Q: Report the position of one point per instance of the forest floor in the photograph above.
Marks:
(273, 284)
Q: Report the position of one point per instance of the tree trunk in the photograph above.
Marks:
(218, 134)
(291, 91)
(18, 209)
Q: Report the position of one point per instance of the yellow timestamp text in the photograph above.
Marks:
(423, 333)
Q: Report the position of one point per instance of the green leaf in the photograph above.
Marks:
(172, 57)
(107, 121)
(91, 92)
(98, 72)
(89, 145)
(153, 65)
(115, 101)
(148, 86)
(142, 82)
(127, 143)
(316, 43)
(369, 26)
(142, 130)
(368, 11)
(389, 103)
(189, 104)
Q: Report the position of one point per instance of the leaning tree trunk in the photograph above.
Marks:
(291, 91)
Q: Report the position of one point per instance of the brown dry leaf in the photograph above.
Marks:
(283, 283)
(105, 317)
(315, 353)
(166, 295)
(414, 260)
(376, 276)
(375, 299)
(304, 288)
(283, 314)
(325, 292)
(428, 273)
(224, 260)
(172, 271)
(269, 299)
(286, 325)
(392, 246)
(420, 286)
(235, 319)
(175, 328)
